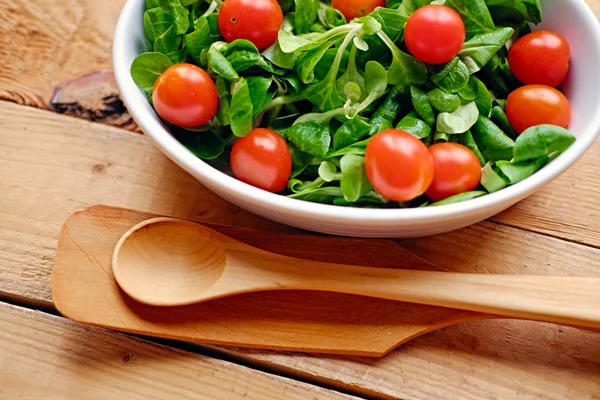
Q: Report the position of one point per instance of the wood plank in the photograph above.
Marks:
(57, 54)
(472, 361)
(75, 361)
(51, 166)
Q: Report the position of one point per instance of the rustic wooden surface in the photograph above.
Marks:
(47, 357)
(53, 165)
(81, 164)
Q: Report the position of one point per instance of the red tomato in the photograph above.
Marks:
(540, 58)
(435, 34)
(258, 21)
(457, 170)
(356, 8)
(185, 95)
(262, 159)
(533, 105)
(398, 165)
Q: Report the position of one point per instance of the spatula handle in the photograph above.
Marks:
(564, 300)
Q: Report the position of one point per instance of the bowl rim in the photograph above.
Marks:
(212, 177)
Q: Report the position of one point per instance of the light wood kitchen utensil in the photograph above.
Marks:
(172, 262)
(84, 290)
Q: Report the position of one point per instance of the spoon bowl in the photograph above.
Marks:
(169, 262)
(166, 260)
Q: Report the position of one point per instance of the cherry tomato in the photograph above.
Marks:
(185, 95)
(398, 165)
(262, 159)
(356, 8)
(435, 34)
(540, 58)
(457, 170)
(533, 105)
(258, 21)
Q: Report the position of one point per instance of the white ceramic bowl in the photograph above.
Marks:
(571, 18)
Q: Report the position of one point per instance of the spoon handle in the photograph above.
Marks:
(564, 300)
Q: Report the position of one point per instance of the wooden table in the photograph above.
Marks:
(56, 60)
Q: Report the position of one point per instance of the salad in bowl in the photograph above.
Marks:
(368, 104)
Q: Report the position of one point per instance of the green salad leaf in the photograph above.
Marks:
(241, 110)
(458, 121)
(310, 137)
(146, 69)
(478, 51)
(453, 77)
(355, 183)
(475, 14)
(542, 140)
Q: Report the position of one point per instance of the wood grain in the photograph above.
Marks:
(57, 54)
(476, 360)
(51, 166)
(75, 361)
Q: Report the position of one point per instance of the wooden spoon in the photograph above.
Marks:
(170, 262)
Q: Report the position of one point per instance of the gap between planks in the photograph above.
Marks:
(547, 234)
